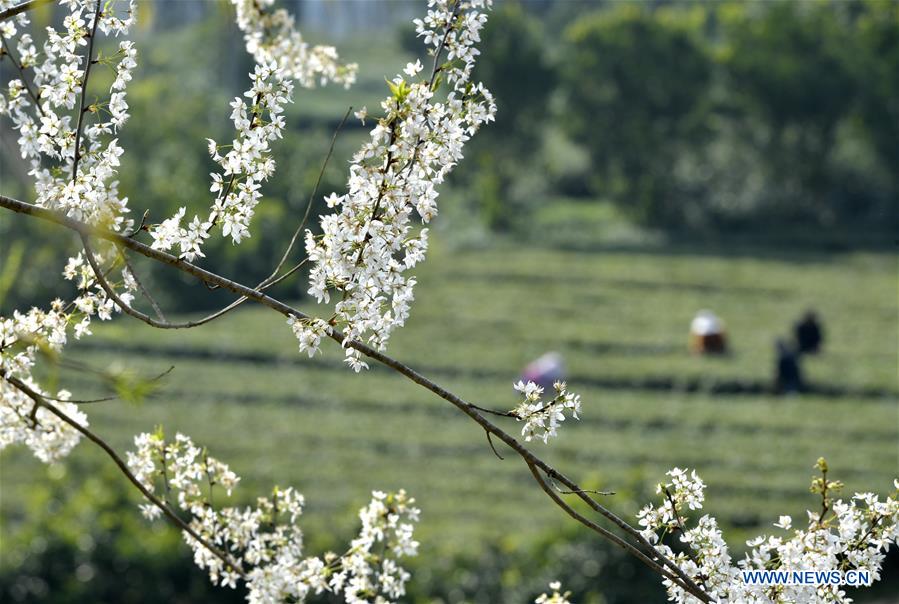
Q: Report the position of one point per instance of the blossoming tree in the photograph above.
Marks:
(359, 265)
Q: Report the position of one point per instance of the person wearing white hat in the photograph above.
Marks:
(707, 335)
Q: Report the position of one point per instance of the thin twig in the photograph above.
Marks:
(87, 73)
(140, 227)
(295, 268)
(15, 61)
(143, 289)
(495, 412)
(582, 491)
(449, 27)
(299, 229)
(652, 564)
(81, 401)
(110, 377)
(495, 452)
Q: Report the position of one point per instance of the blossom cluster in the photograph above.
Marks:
(73, 152)
(309, 333)
(24, 338)
(542, 418)
(248, 162)
(281, 55)
(48, 437)
(265, 542)
(21, 419)
(370, 241)
(844, 535)
(73, 155)
(272, 38)
(685, 491)
(74, 171)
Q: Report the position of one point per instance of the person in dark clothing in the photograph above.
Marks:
(789, 375)
(809, 334)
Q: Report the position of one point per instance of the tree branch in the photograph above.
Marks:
(21, 8)
(652, 564)
(40, 401)
(129, 310)
(470, 410)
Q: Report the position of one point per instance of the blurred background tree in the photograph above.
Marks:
(522, 80)
(797, 75)
(637, 96)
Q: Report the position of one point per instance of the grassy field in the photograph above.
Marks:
(619, 318)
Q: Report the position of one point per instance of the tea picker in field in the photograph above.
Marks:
(707, 335)
(789, 375)
(809, 333)
(545, 371)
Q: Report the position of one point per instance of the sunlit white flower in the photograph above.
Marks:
(542, 418)
(366, 247)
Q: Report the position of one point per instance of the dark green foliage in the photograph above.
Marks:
(636, 89)
(778, 116)
(809, 87)
(514, 66)
(877, 72)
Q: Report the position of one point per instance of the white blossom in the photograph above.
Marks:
(244, 167)
(366, 247)
(265, 542)
(45, 115)
(853, 535)
(542, 418)
(272, 38)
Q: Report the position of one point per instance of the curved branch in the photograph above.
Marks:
(40, 401)
(652, 564)
(129, 310)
